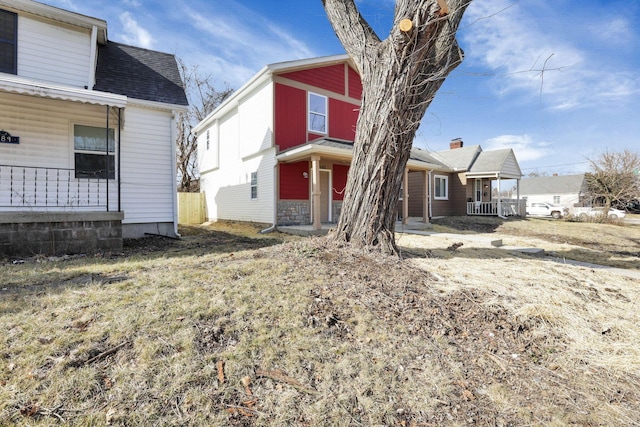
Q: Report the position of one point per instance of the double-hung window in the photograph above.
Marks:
(254, 185)
(8, 42)
(317, 113)
(441, 190)
(93, 158)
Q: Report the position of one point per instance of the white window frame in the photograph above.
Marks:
(324, 114)
(111, 151)
(254, 185)
(445, 180)
(556, 200)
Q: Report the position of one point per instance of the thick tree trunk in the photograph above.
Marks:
(400, 77)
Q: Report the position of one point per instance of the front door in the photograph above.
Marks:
(325, 195)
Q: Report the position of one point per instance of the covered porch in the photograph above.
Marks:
(325, 163)
(491, 197)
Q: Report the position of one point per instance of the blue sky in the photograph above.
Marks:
(556, 80)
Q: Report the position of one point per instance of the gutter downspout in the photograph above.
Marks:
(430, 195)
(174, 175)
(91, 78)
(274, 225)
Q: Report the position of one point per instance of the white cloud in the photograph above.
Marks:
(133, 33)
(240, 47)
(529, 60)
(523, 146)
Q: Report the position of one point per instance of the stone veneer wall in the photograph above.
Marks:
(294, 212)
(58, 233)
(337, 210)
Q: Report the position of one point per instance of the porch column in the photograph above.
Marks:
(315, 191)
(521, 211)
(425, 198)
(499, 198)
(405, 197)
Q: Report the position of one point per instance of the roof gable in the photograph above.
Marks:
(139, 73)
(501, 162)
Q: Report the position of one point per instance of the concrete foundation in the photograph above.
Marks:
(59, 233)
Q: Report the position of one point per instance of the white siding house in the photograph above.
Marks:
(247, 159)
(87, 133)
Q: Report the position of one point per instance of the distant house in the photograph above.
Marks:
(563, 190)
(278, 152)
(87, 134)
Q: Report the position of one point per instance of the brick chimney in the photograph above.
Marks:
(456, 143)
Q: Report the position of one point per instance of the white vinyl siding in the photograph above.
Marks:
(45, 128)
(228, 188)
(147, 166)
(53, 54)
(255, 134)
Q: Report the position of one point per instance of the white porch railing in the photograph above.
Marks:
(507, 208)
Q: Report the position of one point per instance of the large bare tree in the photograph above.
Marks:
(203, 99)
(614, 177)
(400, 77)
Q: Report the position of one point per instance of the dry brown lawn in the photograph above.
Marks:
(228, 327)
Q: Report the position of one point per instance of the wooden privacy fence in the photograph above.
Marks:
(191, 208)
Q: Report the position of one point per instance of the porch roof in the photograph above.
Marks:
(343, 150)
(23, 86)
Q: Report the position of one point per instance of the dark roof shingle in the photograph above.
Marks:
(139, 73)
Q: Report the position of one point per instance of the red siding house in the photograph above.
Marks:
(278, 150)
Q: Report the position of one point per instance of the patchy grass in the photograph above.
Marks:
(227, 327)
(614, 244)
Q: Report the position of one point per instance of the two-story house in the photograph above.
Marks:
(278, 150)
(87, 134)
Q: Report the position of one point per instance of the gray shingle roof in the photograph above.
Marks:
(459, 159)
(139, 73)
(562, 184)
(490, 161)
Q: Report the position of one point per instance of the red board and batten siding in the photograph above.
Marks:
(329, 78)
(290, 116)
(339, 179)
(293, 184)
(355, 84)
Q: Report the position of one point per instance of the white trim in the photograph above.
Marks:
(446, 180)
(22, 86)
(325, 114)
(93, 58)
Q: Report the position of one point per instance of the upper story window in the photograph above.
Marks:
(317, 113)
(92, 158)
(8, 42)
(441, 190)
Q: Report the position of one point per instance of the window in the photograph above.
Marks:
(207, 139)
(90, 149)
(254, 185)
(556, 200)
(317, 113)
(8, 42)
(441, 191)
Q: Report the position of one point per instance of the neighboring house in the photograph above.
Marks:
(563, 190)
(65, 90)
(471, 181)
(279, 149)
